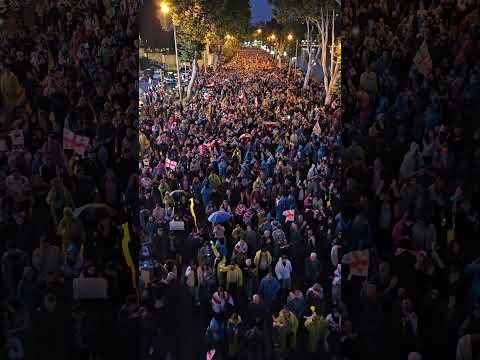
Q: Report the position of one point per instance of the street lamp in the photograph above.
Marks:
(259, 31)
(290, 37)
(273, 37)
(165, 9)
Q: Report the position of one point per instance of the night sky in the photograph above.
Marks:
(261, 11)
(150, 28)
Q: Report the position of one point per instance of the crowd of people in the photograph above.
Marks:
(239, 190)
(410, 92)
(68, 149)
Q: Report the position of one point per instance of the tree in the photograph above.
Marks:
(225, 17)
(319, 17)
(189, 19)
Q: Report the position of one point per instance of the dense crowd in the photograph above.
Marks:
(239, 189)
(68, 148)
(413, 166)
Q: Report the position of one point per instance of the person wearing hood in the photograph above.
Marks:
(268, 290)
(296, 303)
(235, 334)
(286, 324)
(312, 269)
(233, 277)
(263, 260)
(317, 328)
(412, 161)
(316, 297)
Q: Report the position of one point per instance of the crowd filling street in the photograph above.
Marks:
(266, 223)
(239, 190)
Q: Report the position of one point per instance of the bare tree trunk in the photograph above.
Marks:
(206, 57)
(194, 75)
(307, 74)
(215, 61)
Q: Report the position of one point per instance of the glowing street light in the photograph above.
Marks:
(273, 37)
(259, 31)
(164, 8)
(290, 37)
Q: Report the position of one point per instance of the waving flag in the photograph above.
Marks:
(72, 141)
(127, 255)
(192, 211)
(422, 60)
(289, 215)
(358, 261)
(210, 354)
(170, 164)
(316, 129)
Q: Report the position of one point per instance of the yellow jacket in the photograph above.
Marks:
(230, 271)
(221, 271)
(11, 90)
(258, 258)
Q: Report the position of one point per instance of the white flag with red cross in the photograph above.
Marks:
(211, 354)
(72, 141)
(358, 262)
(317, 130)
(289, 215)
(170, 164)
(423, 60)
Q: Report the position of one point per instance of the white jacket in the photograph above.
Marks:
(283, 271)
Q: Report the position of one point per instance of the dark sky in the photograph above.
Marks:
(261, 11)
(151, 30)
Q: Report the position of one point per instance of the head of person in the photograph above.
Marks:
(68, 213)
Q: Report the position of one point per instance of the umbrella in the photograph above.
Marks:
(219, 217)
(177, 192)
(98, 210)
(94, 212)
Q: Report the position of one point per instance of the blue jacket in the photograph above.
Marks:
(206, 195)
(268, 290)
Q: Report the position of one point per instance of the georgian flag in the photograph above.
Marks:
(422, 60)
(358, 261)
(289, 215)
(170, 164)
(72, 141)
(316, 129)
(210, 354)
